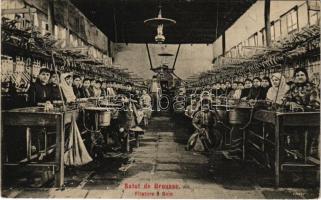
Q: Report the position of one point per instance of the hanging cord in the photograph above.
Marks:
(250, 119)
(176, 76)
(179, 46)
(59, 86)
(149, 58)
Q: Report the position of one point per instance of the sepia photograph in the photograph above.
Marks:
(160, 99)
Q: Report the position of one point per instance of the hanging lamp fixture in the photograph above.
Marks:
(159, 22)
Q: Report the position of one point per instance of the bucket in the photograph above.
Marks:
(104, 118)
(104, 115)
(239, 116)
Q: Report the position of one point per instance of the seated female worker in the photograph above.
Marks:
(246, 88)
(97, 88)
(256, 92)
(39, 92)
(302, 95)
(77, 87)
(235, 93)
(217, 91)
(266, 85)
(278, 90)
(228, 88)
(85, 87)
(54, 86)
(223, 89)
(103, 88)
(110, 90)
(66, 87)
(238, 91)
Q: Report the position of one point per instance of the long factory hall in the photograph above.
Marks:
(155, 99)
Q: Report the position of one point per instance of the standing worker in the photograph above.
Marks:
(155, 91)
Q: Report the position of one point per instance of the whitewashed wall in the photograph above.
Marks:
(191, 58)
(252, 21)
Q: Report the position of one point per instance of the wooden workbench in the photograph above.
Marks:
(36, 117)
(280, 120)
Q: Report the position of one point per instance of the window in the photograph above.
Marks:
(272, 32)
(234, 52)
(44, 27)
(314, 17)
(284, 30)
(277, 30)
(239, 49)
(245, 43)
(314, 5)
(226, 55)
(292, 20)
(77, 25)
(252, 41)
(263, 36)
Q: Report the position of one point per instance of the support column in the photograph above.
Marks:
(67, 26)
(51, 23)
(267, 6)
(109, 48)
(223, 44)
(60, 150)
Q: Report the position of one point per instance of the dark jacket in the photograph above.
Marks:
(264, 92)
(219, 92)
(91, 91)
(255, 93)
(38, 93)
(245, 92)
(227, 91)
(79, 92)
(103, 92)
(54, 93)
(125, 118)
(85, 92)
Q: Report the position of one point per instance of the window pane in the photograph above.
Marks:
(314, 17)
(256, 39)
(294, 17)
(272, 33)
(284, 26)
(292, 22)
(289, 20)
(277, 30)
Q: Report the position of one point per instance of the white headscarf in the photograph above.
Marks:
(276, 94)
(67, 89)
